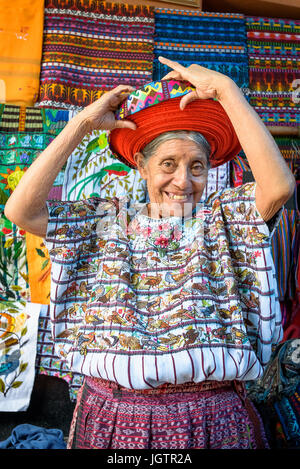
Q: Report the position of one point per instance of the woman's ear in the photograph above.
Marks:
(140, 164)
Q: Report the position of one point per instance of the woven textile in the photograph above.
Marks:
(21, 37)
(274, 65)
(90, 47)
(24, 133)
(276, 395)
(47, 361)
(208, 415)
(213, 40)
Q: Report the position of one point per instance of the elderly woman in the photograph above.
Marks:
(169, 307)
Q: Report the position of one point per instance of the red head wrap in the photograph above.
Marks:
(158, 115)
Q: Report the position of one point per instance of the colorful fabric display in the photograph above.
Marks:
(24, 134)
(47, 361)
(21, 29)
(90, 47)
(92, 170)
(213, 40)
(288, 411)
(18, 345)
(274, 64)
(276, 395)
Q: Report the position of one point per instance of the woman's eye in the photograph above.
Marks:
(197, 168)
(168, 164)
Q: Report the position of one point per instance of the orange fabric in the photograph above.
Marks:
(21, 41)
(39, 268)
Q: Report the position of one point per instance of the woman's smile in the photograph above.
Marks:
(176, 175)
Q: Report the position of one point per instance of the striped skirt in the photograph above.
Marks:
(209, 415)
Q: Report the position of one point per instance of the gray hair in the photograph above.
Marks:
(195, 137)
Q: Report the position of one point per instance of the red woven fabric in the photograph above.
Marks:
(205, 116)
(108, 416)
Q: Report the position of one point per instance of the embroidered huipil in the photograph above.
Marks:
(163, 300)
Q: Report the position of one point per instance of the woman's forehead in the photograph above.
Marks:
(179, 148)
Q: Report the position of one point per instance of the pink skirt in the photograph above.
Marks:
(209, 415)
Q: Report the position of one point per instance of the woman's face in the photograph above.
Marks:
(176, 175)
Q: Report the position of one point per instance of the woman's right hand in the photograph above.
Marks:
(100, 114)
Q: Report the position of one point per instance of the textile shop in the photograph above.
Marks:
(58, 56)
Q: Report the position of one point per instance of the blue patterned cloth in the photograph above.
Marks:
(214, 40)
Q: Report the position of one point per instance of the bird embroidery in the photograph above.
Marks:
(154, 324)
(131, 343)
(70, 312)
(9, 363)
(239, 334)
(227, 313)
(191, 335)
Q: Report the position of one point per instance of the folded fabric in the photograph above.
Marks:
(28, 436)
(213, 40)
(281, 376)
(273, 49)
(48, 362)
(90, 47)
(21, 33)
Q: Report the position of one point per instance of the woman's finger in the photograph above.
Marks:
(175, 65)
(125, 124)
(188, 98)
(172, 74)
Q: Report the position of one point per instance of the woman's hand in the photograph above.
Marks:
(208, 83)
(100, 114)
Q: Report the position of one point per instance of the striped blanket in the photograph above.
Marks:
(213, 40)
(90, 47)
(274, 65)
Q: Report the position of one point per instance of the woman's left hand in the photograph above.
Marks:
(208, 83)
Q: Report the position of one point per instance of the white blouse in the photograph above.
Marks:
(144, 301)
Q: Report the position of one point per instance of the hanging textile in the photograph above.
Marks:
(90, 47)
(213, 40)
(92, 170)
(21, 37)
(47, 361)
(24, 134)
(276, 395)
(18, 345)
(274, 65)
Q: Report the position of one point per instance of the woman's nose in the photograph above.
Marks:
(181, 177)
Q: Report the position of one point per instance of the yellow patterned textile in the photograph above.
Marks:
(21, 39)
